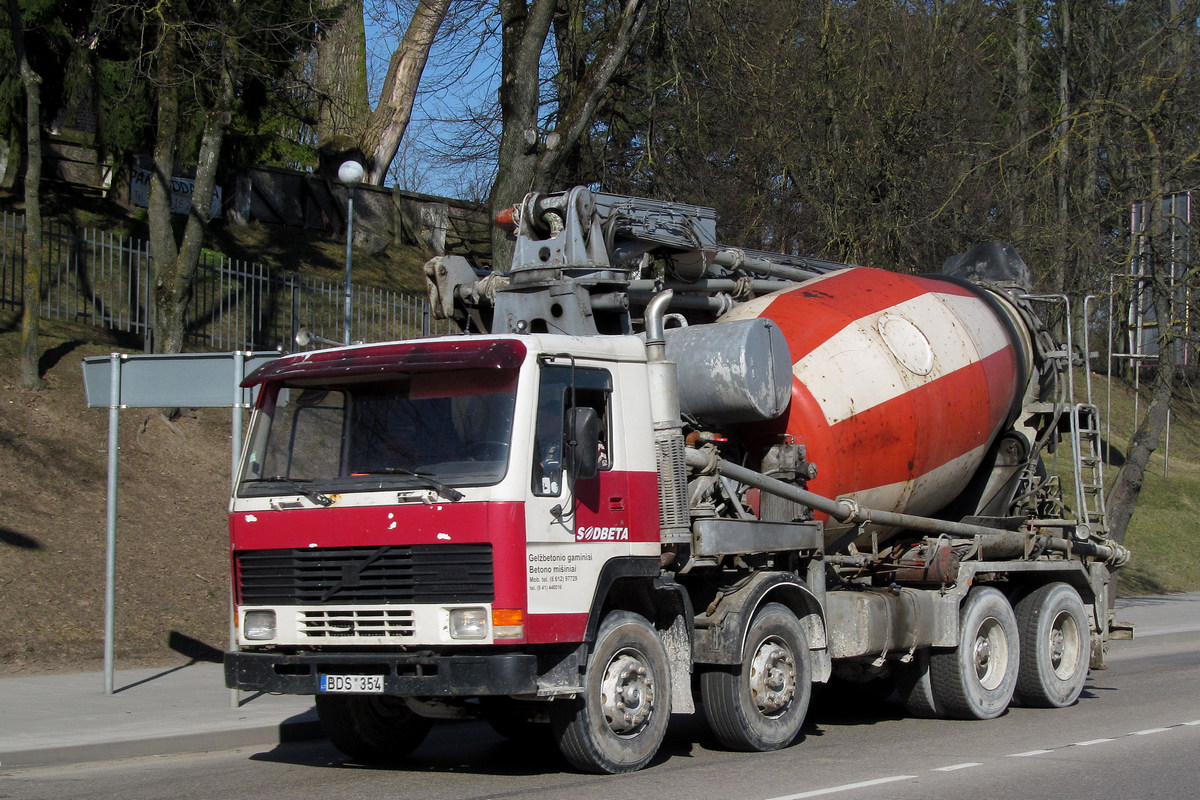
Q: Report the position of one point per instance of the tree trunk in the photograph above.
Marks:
(164, 249)
(529, 161)
(175, 262)
(1122, 500)
(31, 284)
(348, 128)
(580, 109)
(1022, 103)
(340, 77)
(1063, 188)
(523, 34)
(387, 123)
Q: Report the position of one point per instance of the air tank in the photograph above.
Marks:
(900, 384)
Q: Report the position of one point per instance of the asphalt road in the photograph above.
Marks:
(1134, 734)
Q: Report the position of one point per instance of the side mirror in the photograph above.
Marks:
(583, 443)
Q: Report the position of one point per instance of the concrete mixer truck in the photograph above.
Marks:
(655, 475)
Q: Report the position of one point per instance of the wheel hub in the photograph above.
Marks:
(1056, 647)
(627, 694)
(1064, 649)
(990, 654)
(772, 677)
(983, 655)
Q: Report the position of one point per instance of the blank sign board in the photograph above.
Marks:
(188, 380)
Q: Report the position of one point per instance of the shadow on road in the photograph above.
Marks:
(473, 748)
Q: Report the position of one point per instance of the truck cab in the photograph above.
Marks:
(405, 502)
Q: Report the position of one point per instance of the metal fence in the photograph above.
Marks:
(101, 279)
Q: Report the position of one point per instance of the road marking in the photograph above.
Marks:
(968, 764)
(846, 787)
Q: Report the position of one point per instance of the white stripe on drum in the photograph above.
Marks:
(929, 487)
(854, 370)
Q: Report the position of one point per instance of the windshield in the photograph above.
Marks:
(425, 430)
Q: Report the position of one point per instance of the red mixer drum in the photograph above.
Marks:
(900, 383)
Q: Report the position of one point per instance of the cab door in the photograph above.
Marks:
(573, 525)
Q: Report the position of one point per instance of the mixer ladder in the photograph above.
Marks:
(1089, 466)
(1086, 447)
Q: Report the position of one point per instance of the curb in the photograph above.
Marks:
(304, 728)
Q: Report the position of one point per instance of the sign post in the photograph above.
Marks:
(186, 380)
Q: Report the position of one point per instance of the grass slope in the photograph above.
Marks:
(1162, 534)
(172, 552)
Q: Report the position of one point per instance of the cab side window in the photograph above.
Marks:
(562, 388)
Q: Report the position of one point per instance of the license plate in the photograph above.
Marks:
(352, 684)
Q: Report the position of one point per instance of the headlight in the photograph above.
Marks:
(468, 623)
(259, 625)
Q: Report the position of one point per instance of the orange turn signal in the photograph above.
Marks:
(508, 623)
(507, 616)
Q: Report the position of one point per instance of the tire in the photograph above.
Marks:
(619, 722)
(373, 729)
(1055, 647)
(976, 680)
(760, 705)
(914, 688)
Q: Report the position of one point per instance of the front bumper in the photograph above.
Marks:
(420, 674)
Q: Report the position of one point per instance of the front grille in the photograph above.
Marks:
(348, 622)
(453, 573)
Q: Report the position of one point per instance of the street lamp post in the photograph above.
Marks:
(350, 173)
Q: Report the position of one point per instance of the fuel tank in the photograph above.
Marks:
(900, 384)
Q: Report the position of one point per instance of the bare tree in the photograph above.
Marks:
(32, 281)
(1122, 498)
(387, 123)
(1164, 117)
(176, 259)
(530, 157)
(197, 56)
(348, 125)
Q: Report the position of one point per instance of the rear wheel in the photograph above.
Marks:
(977, 679)
(1055, 647)
(760, 705)
(619, 722)
(373, 729)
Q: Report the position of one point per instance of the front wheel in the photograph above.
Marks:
(976, 680)
(760, 705)
(375, 729)
(619, 722)
(1055, 640)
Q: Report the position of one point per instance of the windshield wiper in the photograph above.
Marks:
(297, 486)
(448, 492)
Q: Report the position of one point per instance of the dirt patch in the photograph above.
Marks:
(172, 581)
